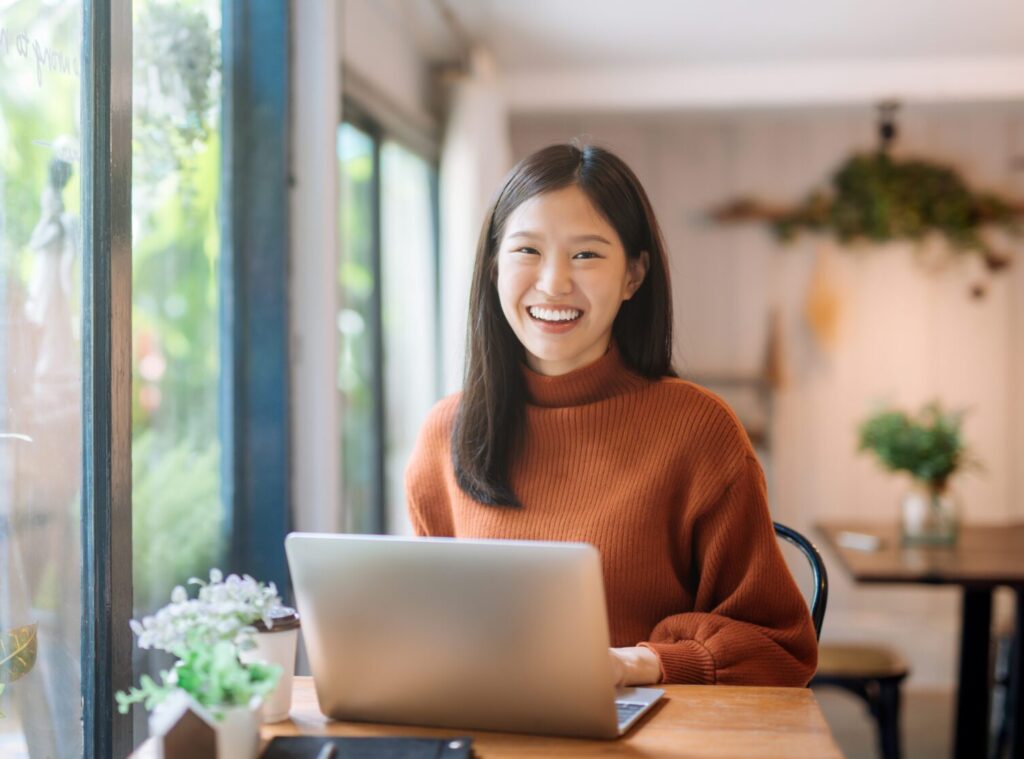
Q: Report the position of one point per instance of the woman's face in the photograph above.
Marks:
(562, 276)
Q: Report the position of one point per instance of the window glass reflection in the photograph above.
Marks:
(40, 379)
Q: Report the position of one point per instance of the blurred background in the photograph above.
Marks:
(400, 119)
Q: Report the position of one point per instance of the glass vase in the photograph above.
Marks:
(929, 516)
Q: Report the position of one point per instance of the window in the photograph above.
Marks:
(176, 483)
(359, 349)
(66, 312)
(40, 379)
(177, 508)
(410, 314)
(388, 366)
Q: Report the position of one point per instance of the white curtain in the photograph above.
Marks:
(476, 155)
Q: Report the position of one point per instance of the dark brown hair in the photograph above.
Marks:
(492, 409)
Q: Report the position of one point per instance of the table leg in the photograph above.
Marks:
(972, 700)
(1016, 713)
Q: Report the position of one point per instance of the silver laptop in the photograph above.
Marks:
(487, 634)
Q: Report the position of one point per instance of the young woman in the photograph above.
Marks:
(573, 426)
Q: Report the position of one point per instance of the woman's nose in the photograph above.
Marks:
(555, 278)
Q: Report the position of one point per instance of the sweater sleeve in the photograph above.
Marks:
(750, 624)
(426, 493)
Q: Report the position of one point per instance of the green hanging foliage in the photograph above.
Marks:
(876, 198)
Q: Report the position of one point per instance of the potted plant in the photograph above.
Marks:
(928, 446)
(210, 695)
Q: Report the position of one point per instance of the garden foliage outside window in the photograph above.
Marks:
(177, 508)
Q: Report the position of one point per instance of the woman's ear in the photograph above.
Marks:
(637, 270)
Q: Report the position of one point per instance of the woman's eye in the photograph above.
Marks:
(525, 250)
(586, 254)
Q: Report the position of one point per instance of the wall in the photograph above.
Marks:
(378, 47)
(902, 333)
(313, 292)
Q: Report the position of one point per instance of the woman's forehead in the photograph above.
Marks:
(566, 214)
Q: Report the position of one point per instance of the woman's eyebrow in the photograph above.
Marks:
(578, 238)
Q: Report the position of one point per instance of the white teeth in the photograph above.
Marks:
(551, 315)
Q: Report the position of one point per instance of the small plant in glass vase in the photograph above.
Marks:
(928, 446)
(214, 691)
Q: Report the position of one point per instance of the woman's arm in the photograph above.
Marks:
(750, 625)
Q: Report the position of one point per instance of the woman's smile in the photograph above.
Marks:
(554, 320)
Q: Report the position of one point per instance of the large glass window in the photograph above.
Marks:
(359, 349)
(388, 368)
(176, 481)
(40, 379)
(177, 509)
(410, 326)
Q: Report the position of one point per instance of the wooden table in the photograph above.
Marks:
(984, 557)
(692, 721)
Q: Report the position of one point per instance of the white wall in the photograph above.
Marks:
(902, 334)
(313, 266)
(378, 46)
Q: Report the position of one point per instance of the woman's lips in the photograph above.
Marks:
(554, 327)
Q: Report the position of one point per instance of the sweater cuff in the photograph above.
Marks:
(684, 662)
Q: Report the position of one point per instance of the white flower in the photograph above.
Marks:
(224, 610)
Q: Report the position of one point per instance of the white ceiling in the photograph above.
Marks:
(532, 34)
(663, 53)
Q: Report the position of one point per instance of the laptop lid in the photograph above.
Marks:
(486, 634)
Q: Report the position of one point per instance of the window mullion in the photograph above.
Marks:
(106, 109)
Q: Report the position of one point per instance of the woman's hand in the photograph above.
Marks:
(635, 665)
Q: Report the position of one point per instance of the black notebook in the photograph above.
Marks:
(309, 746)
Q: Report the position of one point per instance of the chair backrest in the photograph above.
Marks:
(819, 598)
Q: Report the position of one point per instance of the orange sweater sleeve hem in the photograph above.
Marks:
(685, 662)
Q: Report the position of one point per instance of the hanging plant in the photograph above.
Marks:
(874, 197)
(176, 65)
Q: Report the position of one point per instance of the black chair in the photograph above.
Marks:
(872, 672)
(819, 598)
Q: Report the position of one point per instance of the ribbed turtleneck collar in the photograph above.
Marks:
(605, 378)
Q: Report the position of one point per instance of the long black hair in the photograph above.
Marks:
(492, 409)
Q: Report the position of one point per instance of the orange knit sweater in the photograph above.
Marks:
(662, 479)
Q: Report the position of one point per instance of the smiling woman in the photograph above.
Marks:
(572, 426)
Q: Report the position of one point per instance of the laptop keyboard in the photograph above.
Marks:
(625, 710)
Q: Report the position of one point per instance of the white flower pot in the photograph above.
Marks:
(277, 646)
(238, 733)
(181, 727)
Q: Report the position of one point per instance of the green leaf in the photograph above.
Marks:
(17, 652)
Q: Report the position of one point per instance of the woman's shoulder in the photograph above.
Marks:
(433, 442)
(709, 412)
(686, 393)
(439, 420)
